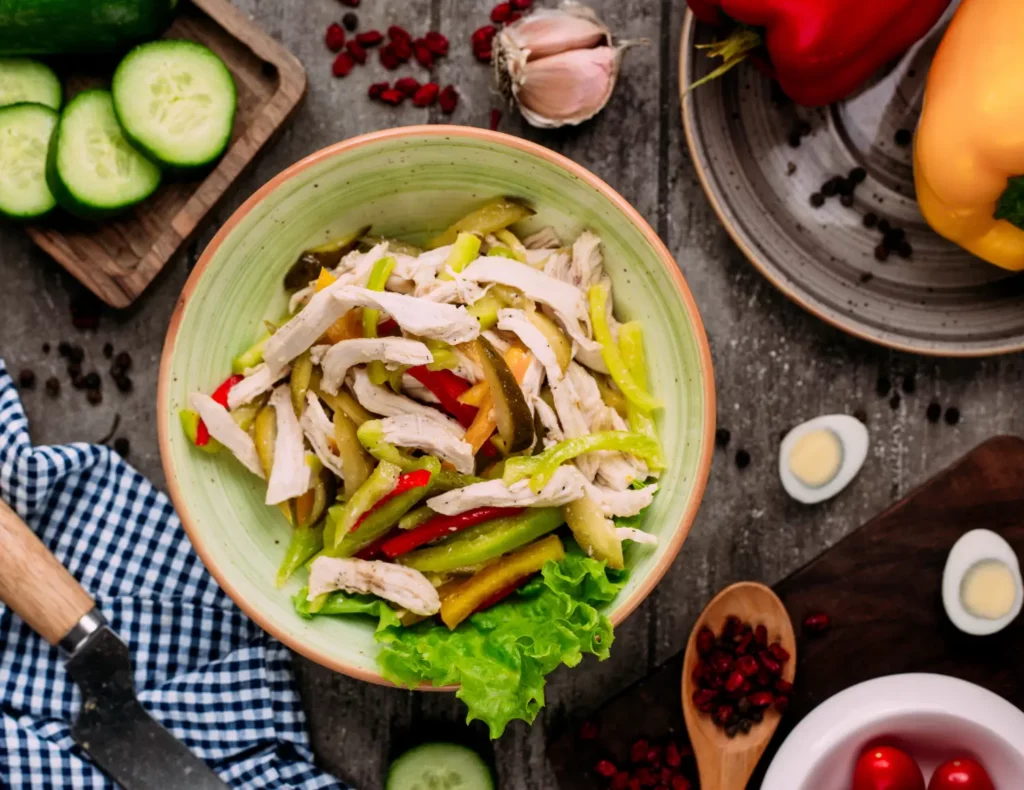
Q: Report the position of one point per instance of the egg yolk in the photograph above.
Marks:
(989, 590)
(815, 458)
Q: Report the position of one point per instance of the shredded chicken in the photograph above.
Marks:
(414, 389)
(517, 322)
(630, 502)
(385, 402)
(431, 436)
(403, 586)
(574, 422)
(260, 379)
(543, 239)
(392, 351)
(549, 420)
(290, 476)
(319, 430)
(416, 316)
(636, 535)
(567, 485)
(225, 430)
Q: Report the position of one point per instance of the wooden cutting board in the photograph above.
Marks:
(881, 585)
(116, 259)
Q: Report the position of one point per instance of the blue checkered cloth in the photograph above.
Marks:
(202, 668)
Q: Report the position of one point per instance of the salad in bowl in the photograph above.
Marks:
(459, 439)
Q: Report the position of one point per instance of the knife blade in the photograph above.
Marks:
(112, 727)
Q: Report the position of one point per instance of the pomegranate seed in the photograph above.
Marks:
(704, 695)
(388, 59)
(645, 776)
(654, 755)
(783, 686)
(764, 677)
(743, 644)
(402, 48)
(761, 635)
(408, 85)
(768, 662)
(747, 665)
(393, 97)
(634, 784)
(606, 768)
(781, 703)
(351, 3)
(700, 671)
(436, 43)
(705, 707)
(672, 756)
(335, 37)
(423, 56)
(484, 54)
(734, 681)
(720, 662)
(377, 89)
(620, 781)
(521, 5)
(638, 751)
(588, 731)
(724, 714)
(817, 623)
(761, 699)
(357, 52)
(449, 100)
(779, 652)
(495, 119)
(515, 16)
(705, 641)
(666, 774)
(733, 625)
(370, 38)
(681, 783)
(426, 95)
(501, 12)
(396, 33)
(685, 750)
(484, 35)
(342, 65)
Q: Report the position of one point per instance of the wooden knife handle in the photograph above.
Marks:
(34, 584)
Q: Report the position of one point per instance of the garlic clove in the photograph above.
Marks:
(568, 88)
(549, 32)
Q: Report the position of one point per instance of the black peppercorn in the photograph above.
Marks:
(883, 386)
(27, 379)
(857, 175)
(742, 459)
(870, 219)
(95, 397)
(934, 411)
(846, 200)
(722, 437)
(817, 200)
(53, 386)
(952, 415)
(108, 350)
(903, 137)
(350, 21)
(122, 446)
(881, 253)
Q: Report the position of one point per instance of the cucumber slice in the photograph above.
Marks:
(91, 169)
(25, 131)
(176, 102)
(439, 766)
(24, 80)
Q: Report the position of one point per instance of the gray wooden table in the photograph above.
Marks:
(775, 365)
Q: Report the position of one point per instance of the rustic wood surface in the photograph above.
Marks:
(881, 584)
(775, 365)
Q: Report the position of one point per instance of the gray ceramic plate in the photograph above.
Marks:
(940, 300)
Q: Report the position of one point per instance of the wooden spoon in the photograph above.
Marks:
(726, 763)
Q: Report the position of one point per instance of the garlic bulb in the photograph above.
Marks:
(559, 65)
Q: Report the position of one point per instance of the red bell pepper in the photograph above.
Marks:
(406, 482)
(372, 550)
(447, 387)
(441, 526)
(821, 51)
(220, 395)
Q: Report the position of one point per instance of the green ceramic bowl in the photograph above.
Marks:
(407, 182)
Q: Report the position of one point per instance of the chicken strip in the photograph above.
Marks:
(347, 354)
(517, 322)
(431, 436)
(567, 485)
(403, 586)
(380, 400)
(319, 430)
(290, 476)
(260, 379)
(636, 535)
(225, 430)
(630, 502)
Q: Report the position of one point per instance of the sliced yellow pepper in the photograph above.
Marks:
(497, 577)
(634, 393)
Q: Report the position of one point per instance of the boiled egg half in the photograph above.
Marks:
(981, 584)
(819, 458)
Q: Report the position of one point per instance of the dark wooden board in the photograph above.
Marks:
(118, 258)
(881, 585)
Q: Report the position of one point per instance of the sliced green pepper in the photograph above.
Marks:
(371, 436)
(414, 518)
(511, 241)
(634, 393)
(305, 543)
(302, 372)
(595, 533)
(245, 415)
(378, 279)
(485, 310)
(485, 541)
(631, 343)
(377, 486)
(190, 425)
(356, 464)
(253, 355)
(394, 245)
(541, 468)
(489, 218)
(465, 250)
(448, 479)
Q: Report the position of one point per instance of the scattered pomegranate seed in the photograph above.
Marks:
(769, 662)
(606, 768)
(704, 695)
(426, 95)
(638, 751)
(724, 714)
(732, 626)
(356, 51)
(783, 686)
(351, 3)
(423, 54)
(778, 651)
(672, 756)
(705, 641)
(377, 89)
(654, 755)
(521, 5)
(734, 681)
(484, 54)
(342, 65)
(396, 33)
(588, 731)
(761, 635)
(335, 37)
(449, 100)
(408, 85)
(436, 43)
(515, 16)
(501, 12)
(781, 704)
(747, 666)
(393, 97)
(495, 119)
(402, 47)
(388, 59)
(620, 781)
(370, 38)
(681, 783)
(817, 623)
(484, 35)
(761, 699)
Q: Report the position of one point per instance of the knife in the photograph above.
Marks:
(115, 730)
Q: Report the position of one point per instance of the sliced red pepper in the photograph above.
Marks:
(372, 550)
(446, 387)
(501, 595)
(406, 482)
(440, 526)
(220, 395)
(387, 327)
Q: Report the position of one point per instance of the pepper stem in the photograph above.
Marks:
(1011, 203)
(733, 51)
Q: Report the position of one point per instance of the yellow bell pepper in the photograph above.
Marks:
(497, 577)
(969, 149)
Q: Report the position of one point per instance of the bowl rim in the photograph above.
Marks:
(163, 417)
(740, 238)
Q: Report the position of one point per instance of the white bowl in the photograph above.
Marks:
(933, 718)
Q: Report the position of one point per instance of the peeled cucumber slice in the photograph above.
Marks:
(439, 766)
(92, 169)
(25, 131)
(25, 80)
(176, 102)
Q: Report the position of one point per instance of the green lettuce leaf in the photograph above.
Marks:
(500, 656)
(339, 603)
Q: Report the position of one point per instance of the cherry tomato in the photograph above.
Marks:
(962, 773)
(887, 768)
